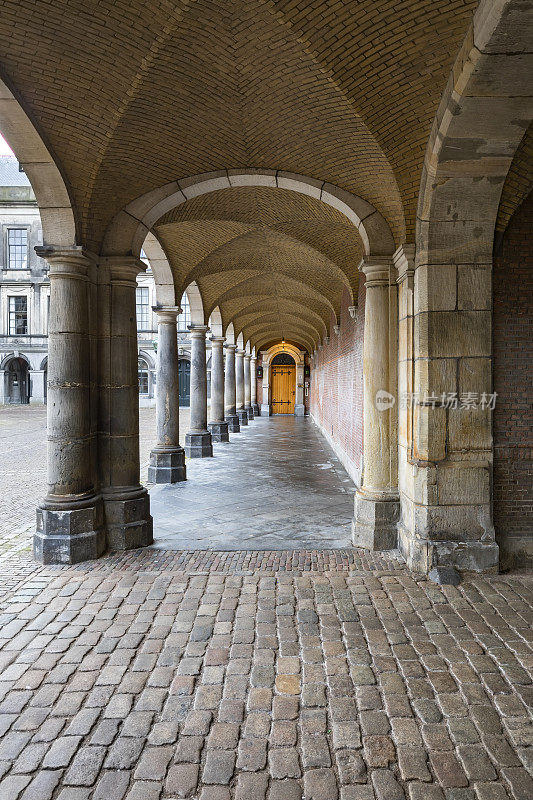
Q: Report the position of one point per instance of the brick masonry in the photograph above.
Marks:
(336, 392)
(512, 341)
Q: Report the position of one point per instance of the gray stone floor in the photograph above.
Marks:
(277, 485)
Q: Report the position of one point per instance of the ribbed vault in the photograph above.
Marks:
(293, 253)
(343, 92)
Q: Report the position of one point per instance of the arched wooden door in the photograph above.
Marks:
(283, 389)
(184, 374)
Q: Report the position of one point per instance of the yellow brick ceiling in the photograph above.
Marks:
(132, 94)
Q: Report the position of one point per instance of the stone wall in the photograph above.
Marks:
(336, 390)
(513, 417)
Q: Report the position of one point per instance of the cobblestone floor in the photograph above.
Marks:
(266, 675)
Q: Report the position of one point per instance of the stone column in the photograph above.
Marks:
(198, 440)
(265, 400)
(248, 387)
(299, 407)
(253, 384)
(239, 387)
(126, 502)
(229, 390)
(376, 501)
(167, 459)
(70, 520)
(217, 424)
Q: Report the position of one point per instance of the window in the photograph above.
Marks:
(184, 319)
(18, 316)
(143, 376)
(17, 248)
(143, 308)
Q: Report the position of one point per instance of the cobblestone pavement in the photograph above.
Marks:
(261, 675)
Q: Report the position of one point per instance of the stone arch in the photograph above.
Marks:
(216, 323)
(57, 214)
(44, 363)
(298, 355)
(196, 304)
(10, 356)
(146, 356)
(165, 290)
(230, 334)
(130, 227)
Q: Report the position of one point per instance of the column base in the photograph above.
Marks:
(423, 555)
(198, 445)
(374, 525)
(255, 409)
(128, 520)
(233, 423)
(167, 467)
(218, 431)
(299, 411)
(70, 536)
(265, 410)
(250, 412)
(243, 416)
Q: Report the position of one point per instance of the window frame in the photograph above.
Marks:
(8, 229)
(143, 320)
(144, 371)
(12, 315)
(183, 326)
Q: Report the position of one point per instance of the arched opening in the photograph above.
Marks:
(283, 375)
(16, 382)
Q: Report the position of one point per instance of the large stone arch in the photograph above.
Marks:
(57, 215)
(446, 453)
(130, 227)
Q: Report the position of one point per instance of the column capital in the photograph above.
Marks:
(167, 314)
(66, 261)
(404, 261)
(198, 330)
(217, 340)
(123, 269)
(230, 346)
(239, 351)
(247, 356)
(378, 271)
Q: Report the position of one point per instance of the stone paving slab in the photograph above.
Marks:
(154, 677)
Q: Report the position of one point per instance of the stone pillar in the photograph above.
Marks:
(70, 520)
(377, 501)
(229, 390)
(167, 459)
(299, 407)
(248, 386)
(217, 424)
(253, 380)
(239, 387)
(126, 502)
(265, 400)
(198, 440)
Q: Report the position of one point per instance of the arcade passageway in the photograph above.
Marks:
(277, 486)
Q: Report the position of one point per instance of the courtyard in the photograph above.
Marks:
(328, 673)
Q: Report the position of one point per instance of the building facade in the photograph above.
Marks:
(25, 304)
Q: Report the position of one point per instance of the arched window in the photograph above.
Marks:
(143, 376)
(184, 319)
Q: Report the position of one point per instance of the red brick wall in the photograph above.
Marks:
(513, 369)
(336, 392)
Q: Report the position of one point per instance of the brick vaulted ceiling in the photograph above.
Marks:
(132, 94)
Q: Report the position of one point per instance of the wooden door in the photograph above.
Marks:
(184, 374)
(283, 389)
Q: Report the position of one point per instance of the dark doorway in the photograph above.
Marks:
(17, 384)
